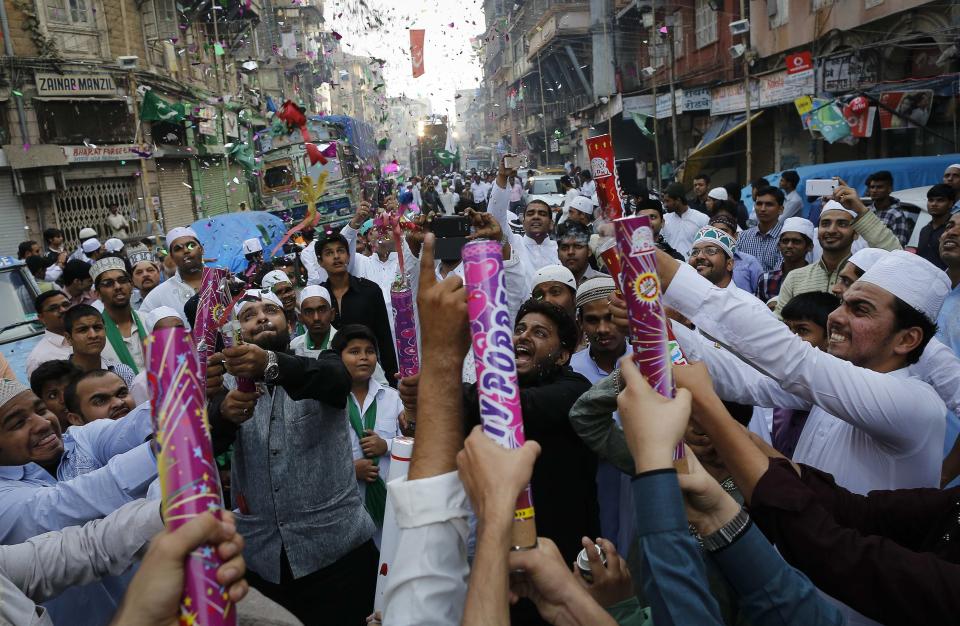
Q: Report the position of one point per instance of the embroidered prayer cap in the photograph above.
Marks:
(865, 258)
(716, 237)
(556, 273)
(180, 232)
(366, 226)
(718, 193)
(9, 389)
(160, 313)
(106, 264)
(90, 245)
(598, 288)
(799, 225)
(913, 279)
(113, 245)
(137, 258)
(255, 295)
(833, 205)
(87, 233)
(313, 291)
(274, 277)
(253, 245)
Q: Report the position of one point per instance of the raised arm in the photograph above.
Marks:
(108, 438)
(592, 420)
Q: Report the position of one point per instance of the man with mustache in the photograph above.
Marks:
(50, 480)
(95, 395)
(712, 256)
(309, 538)
(123, 326)
(535, 248)
(145, 273)
(187, 254)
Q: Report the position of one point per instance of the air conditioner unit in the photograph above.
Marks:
(34, 181)
(740, 27)
(127, 62)
(737, 50)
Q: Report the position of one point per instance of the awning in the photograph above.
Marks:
(41, 155)
(719, 131)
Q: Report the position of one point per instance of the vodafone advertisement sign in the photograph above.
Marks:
(799, 62)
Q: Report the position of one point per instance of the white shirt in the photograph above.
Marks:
(134, 346)
(315, 273)
(871, 430)
(792, 205)
(427, 585)
(588, 188)
(389, 408)
(479, 191)
(539, 255)
(173, 293)
(531, 254)
(449, 202)
(680, 230)
(52, 347)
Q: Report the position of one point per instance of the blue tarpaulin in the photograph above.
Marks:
(223, 236)
(908, 172)
(359, 134)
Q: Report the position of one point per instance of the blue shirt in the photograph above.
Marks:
(765, 247)
(948, 323)
(746, 271)
(105, 464)
(675, 583)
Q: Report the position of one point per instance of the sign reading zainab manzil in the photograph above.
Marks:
(49, 84)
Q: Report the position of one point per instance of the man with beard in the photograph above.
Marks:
(309, 543)
(87, 335)
(746, 268)
(145, 274)
(841, 220)
(53, 345)
(40, 490)
(187, 255)
(96, 395)
(279, 284)
(573, 241)
(712, 256)
(535, 248)
(123, 326)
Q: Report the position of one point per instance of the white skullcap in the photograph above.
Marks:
(865, 258)
(180, 231)
(255, 295)
(597, 288)
(113, 245)
(274, 277)
(105, 265)
(913, 279)
(90, 245)
(799, 225)
(10, 388)
(136, 258)
(955, 166)
(313, 291)
(557, 273)
(252, 245)
(582, 204)
(87, 233)
(833, 205)
(718, 193)
(161, 312)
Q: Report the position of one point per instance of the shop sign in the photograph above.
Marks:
(91, 153)
(643, 105)
(847, 72)
(49, 84)
(696, 99)
(783, 87)
(799, 62)
(663, 104)
(730, 98)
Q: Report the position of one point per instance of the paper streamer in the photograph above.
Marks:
(499, 391)
(210, 307)
(405, 327)
(400, 454)
(189, 480)
(640, 285)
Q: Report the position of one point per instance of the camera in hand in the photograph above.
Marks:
(451, 232)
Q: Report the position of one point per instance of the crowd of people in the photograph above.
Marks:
(818, 414)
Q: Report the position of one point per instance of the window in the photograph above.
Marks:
(74, 12)
(278, 176)
(543, 186)
(706, 23)
(73, 122)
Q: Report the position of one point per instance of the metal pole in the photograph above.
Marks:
(673, 90)
(656, 132)
(543, 114)
(746, 93)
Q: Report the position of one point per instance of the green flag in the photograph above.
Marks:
(445, 156)
(155, 109)
(641, 121)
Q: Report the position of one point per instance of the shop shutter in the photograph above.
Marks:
(12, 221)
(84, 203)
(176, 193)
(213, 190)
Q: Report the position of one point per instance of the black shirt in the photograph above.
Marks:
(928, 245)
(363, 304)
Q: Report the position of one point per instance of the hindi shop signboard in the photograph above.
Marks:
(49, 84)
(783, 87)
(91, 153)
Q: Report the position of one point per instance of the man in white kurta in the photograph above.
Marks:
(175, 291)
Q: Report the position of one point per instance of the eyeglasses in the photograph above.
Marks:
(706, 251)
(110, 283)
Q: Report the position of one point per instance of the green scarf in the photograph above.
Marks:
(323, 346)
(116, 339)
(376, 494)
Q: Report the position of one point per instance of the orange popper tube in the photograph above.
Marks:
(497, 385)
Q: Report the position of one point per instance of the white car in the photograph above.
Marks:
(545, 188)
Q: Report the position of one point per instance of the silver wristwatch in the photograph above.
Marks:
(726, 535)
(272, 370)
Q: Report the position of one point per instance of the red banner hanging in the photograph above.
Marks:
(416, 51)
(604, 170)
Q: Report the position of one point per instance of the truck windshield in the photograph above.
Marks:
(16, 306)
(279, 176)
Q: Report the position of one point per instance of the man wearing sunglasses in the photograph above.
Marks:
(187, 254)
(123, 326)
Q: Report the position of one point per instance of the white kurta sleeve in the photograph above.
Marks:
(428, 581)
(898, 412)
(940, 367)
(499, 205)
